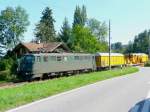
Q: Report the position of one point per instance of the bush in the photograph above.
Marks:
(4, 75)
(6, 64)
(8, 69)
(147, 64)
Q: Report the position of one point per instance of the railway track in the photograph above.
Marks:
(11, 84)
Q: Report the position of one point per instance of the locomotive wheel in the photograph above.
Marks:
(45, 76)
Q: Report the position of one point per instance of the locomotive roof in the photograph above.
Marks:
(107, 54)
(53, 54)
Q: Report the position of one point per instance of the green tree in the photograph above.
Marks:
(129, 47)
(117, 47)
(80, 16)
(141, 43)
(99, 29)
(13, 24)
(83, 15)
(82, 40)
(65, 32)
(44, 30)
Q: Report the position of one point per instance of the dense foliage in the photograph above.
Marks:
(140, 44)
(80, 16)
(8, 69)
(13, 23)
(86, 35)
(65, 32)
(147, 64)
(44, 30)
(98, 29)
(82, 40)
(118, 47)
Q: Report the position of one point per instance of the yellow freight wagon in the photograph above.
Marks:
(136, 58)
(144, 58)
(116, 59)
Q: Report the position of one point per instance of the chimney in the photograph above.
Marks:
(38, 41)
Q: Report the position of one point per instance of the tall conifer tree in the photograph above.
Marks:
(44, 30)
(65, 32)
(80, 16)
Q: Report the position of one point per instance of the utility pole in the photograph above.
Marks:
(149, 44)
(109, 46)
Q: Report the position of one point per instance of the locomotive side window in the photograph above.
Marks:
(53, 58)
(85, 57)
(70, 58)
(81, 57)
(76, 58)
(59, 58)
(38, 58)
(45, 58)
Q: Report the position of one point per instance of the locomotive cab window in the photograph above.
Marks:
(29, 58)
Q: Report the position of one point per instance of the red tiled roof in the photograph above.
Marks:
(43, 47)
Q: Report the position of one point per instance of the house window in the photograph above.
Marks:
(45, 58)
(38, 58)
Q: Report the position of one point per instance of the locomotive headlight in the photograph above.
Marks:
(26, 73)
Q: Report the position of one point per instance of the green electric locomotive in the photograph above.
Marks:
(44, 65)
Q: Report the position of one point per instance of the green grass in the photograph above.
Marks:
(15, 96)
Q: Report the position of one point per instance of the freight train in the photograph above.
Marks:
(45, 65)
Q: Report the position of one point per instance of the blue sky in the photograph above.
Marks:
(128, 17)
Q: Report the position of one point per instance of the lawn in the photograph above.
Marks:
(19, 95)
